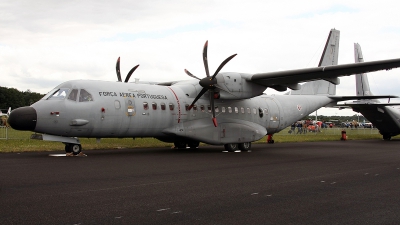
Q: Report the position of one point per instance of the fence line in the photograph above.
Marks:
(3, 132)
(329, 131)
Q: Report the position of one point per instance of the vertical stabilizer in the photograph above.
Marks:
(362, 84)
(329, 57)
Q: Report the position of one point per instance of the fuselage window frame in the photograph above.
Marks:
(162, 105)
(171, 106)
(154, 105)
(145, 106)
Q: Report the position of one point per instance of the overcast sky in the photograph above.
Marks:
(44, 43)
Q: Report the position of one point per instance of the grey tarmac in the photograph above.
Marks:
(335, 182)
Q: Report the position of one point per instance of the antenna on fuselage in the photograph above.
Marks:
(128, 75)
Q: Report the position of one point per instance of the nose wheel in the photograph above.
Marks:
(75, 149)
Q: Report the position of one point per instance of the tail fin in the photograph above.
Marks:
(362, 84)
(9, 111)
(329, 57)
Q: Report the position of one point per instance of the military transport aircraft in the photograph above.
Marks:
(384, 116)
(186, 112)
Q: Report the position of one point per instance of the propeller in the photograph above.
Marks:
(209, 83)
(128, 75)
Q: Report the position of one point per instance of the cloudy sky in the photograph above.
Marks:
(44, 43)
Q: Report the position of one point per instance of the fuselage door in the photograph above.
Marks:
(272, 114)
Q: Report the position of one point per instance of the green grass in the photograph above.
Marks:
(19, 140)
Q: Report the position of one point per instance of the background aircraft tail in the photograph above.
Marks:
(362, 83)
(329, 57)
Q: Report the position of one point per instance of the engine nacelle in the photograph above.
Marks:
(235, 86)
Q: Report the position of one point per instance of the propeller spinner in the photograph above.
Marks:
(128, 75)
(209, 83)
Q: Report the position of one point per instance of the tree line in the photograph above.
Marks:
(11, 97)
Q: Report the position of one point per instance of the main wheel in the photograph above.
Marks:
(193, 144)
(231, 147)
(386, 137)
(245, 146)
(76, 149)
(180, 144)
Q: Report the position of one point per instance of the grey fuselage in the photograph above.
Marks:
(119, 109)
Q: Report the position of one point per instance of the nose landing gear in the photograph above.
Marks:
(73, 149)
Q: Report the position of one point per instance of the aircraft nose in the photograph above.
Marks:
(23, 118)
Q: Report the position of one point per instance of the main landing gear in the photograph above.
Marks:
(181, 144)
(241, 146)
(73, 149)
(386, 137)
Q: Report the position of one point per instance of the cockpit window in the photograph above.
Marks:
(72, 96)
(85, 96)
(59, 94)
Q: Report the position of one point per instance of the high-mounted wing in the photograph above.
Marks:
(282, 80)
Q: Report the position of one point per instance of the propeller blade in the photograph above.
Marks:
(188, 73)
(205, 60)
(214, 119)
(197, 97)
(118, 71)
(222, 65)
(130, 73)
(215, 122)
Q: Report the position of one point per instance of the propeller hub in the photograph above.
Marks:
(208, 82)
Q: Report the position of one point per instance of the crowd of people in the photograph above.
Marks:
(304, 126)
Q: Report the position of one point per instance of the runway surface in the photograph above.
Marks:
(340, 182)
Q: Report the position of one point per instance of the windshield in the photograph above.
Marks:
(59, 94)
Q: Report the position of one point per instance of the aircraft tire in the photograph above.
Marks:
(193, 144)
(76, 149)
(231, 147)
(386, 137)
(68, 148)
(245, 146)
(180, 144)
